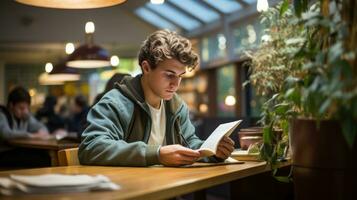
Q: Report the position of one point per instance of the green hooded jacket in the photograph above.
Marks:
(119, 128)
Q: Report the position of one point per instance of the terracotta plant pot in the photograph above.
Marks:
(250, 136)
(324, 167)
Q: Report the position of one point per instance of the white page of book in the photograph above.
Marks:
(222, 130)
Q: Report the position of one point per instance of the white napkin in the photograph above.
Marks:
(54, 183)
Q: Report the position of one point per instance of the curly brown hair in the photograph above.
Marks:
(165, 44)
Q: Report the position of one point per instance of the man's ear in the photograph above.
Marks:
(145, 66)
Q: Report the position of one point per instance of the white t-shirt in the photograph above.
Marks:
(158, 127)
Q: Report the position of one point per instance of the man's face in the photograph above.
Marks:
(20, 110)
(165, 79)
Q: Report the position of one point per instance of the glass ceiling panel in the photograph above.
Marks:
(225, 6)
(154, 19)
(196, 9)
(174, 15)
(250, 1)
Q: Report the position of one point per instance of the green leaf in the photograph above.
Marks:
(284, 7)
(308, 66)
(266, 152)
(293, 95)
(298, 7)
(281, 108)
(275, 96)
(311, 15)
(325, 105)
(345, 68)
(267, 135)
(349, 130)
(246, 83)
(298, 40)
(292, 80)
(285, 126)
(354, 108)
(289, 92)
(284, 179)
(335, 52)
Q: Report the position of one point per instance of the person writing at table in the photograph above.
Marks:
(143, 121)
(16, 121)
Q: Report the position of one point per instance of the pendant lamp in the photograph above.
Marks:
(89, 55)
(71, 4)
(58, 75)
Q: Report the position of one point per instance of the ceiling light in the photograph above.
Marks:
(60, 74)
(230, 100)
(157, 1)
(114, 60)
(89, 28)
(69, 48)
(44, 79)
(48, 67)
(89, 55)
(71, 4)
(262, 5)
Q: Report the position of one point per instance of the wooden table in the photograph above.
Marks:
(147, 182)
(51, 145)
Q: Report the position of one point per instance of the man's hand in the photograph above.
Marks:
(41, 134)
(225, 148)
(175, 155)
(60, 133)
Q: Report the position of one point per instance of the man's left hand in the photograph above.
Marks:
(225, 148)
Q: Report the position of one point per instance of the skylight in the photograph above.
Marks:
(197, 9)
(250, 1)
(225, 6)
(174, 16)
(154, 19)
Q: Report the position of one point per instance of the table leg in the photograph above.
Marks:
(199, 195)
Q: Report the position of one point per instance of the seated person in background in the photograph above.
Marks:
(16, 121)
(79, 110)
(143, 121)
(116, 78)
(48, 116)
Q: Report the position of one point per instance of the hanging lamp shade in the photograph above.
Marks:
(44, 79)
(71, 4)
(61, 72)
(89, 56)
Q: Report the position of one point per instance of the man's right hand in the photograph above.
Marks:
(175, 155)
(41, 134)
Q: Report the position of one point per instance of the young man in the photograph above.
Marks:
(16, 121)
(143, 121)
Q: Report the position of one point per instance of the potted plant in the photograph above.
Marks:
(319, 99)
(270, 65)
(323, 135)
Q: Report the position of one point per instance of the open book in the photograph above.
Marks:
(209, 147)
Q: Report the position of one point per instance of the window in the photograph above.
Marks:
(247, 36)
(213, 47)
(226, 98)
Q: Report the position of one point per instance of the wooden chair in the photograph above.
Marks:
(68, 157)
